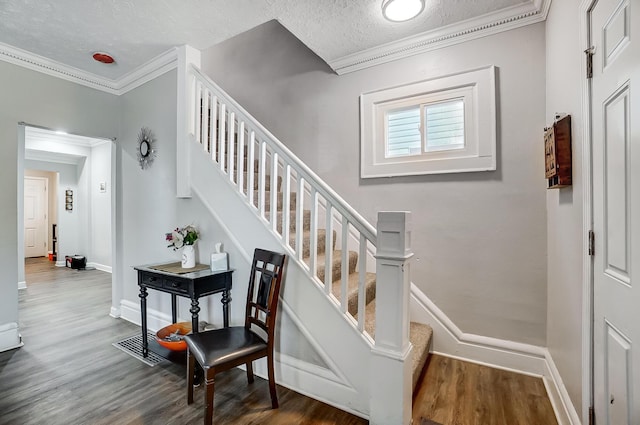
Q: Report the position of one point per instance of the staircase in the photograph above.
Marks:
(419, 334)
(321, 232)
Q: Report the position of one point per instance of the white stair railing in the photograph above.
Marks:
(257, 164)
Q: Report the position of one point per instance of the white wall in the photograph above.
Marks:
(39, 99)
(100, 210)
(479, 238)
(564, 207)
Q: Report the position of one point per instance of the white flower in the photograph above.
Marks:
(178, 239)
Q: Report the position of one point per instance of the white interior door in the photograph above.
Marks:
(615, 35)
(35, 217)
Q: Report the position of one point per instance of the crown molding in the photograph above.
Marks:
(157, 66)
(144, 73)
(471, 29)
(53, 68)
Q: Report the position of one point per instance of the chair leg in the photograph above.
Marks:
(190, 372)
(250, 372)
(272, 382)
(208, 396)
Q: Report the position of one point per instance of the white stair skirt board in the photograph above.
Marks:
(497, 353)
(10, 336)
(22, 285)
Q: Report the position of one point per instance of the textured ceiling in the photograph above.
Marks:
(136, 31)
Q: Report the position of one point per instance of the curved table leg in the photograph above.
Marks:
(143, 313)
(195, 309)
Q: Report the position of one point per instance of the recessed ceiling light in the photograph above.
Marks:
(103, 57)
(401, 10)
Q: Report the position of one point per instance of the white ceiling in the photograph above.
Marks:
(136, 31)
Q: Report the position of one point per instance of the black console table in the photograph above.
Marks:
(191, 285)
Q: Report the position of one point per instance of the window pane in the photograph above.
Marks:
(445, 125)
(403, 132)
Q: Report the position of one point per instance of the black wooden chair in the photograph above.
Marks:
(222, 349)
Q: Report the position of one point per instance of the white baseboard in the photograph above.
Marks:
(22, 285)
(100, 267)
(115, 312)
(566, 413)
(10, 337)
(130, 312)
(527, 359)
(60, 263)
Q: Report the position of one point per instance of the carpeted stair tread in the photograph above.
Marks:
(337, 264)
(420, 336)
(306, 242)
(267, 200)
(306, 220)
(352, 290)
(267, 181)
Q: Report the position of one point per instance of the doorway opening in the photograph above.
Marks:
(76, 216)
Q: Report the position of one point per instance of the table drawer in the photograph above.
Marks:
(151, 280)
(176, 285)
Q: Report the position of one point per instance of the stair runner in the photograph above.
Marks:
(419, 334)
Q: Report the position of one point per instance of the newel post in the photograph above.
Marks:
(186, 56)
(391, 396)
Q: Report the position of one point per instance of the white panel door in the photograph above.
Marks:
(35, 217)
(615, 35)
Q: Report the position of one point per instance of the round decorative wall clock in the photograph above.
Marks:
(146, 148)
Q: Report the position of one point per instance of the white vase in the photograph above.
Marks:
(188, 257)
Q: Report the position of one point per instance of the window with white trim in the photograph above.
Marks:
(444, 125)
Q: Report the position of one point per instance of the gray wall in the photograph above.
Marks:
(51, 102)
(564, 206)
(146, 205)
(479, 238)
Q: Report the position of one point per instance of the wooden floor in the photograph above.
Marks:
(454, 392)
(69, 373)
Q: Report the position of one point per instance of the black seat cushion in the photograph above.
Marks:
(218, 346)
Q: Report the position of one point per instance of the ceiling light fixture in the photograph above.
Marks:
(401, 10)
(103, 57)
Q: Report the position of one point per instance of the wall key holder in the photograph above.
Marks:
(557, 151)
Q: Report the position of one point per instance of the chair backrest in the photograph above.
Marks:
(267, 270)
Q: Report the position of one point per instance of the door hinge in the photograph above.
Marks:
(592, 416)
(590, 52)
(592, 243)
